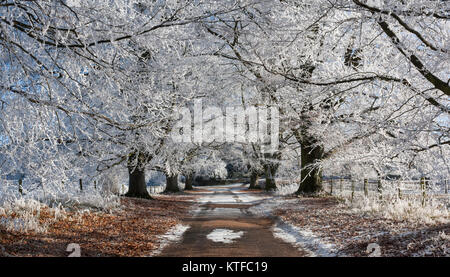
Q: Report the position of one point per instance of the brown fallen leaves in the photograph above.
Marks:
(130, 231)
(352, 231)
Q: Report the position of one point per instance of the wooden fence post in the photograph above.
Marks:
(331, 186)
(446, 186)
(380, 189)
(95, 184)
(340, 184)
(423, 188)
(20, 187)
(399, 190)
(366, 190)
(81, 185)
(353, 189)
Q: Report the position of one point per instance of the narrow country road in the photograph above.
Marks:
(224, 226)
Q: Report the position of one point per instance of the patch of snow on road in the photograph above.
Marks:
(303, 240)
(244, 197)
(221, 212)
(230, 194)
(172, 236)
(224, 235)
(217, 199)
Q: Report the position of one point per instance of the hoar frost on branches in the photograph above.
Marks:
(88, 88)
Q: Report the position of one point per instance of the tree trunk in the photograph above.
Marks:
(189, 181)
(311, 175)
(172, 183)
(137, 186)
(253, 180)
(271, 164)
(270, 170)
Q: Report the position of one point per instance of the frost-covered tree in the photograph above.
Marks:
(91, 86)
(342, 77)
(102, 76)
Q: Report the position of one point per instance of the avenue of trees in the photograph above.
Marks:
(91, 87)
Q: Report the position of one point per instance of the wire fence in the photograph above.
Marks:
(23, 188)
(419, 189)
